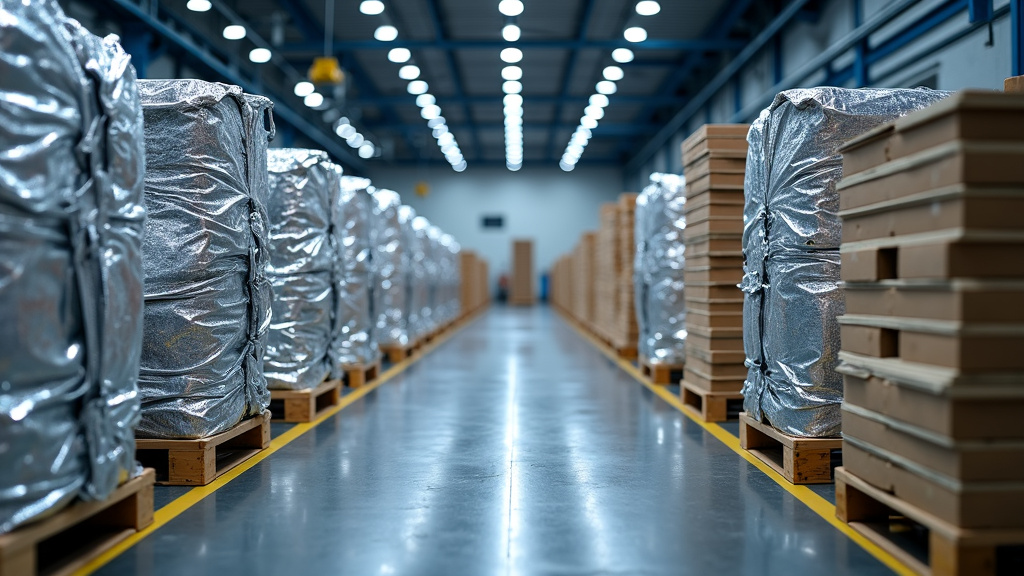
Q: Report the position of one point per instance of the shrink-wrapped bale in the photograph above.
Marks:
(434, 265)
(302, 186)
(658, 271)
(451, 278)
(356, 340)
(208, 298)
(791, 250)
(71, 218)
(414, 230)
(391, 256)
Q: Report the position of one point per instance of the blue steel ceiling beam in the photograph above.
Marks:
(570, 69)
(439, 36)
(495, 99)
(606, 130)
(699, 45)
(201, 55)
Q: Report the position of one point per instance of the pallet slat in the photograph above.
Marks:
(308, 404)
(662, 374)
(358, 376)
(799, 460)
(712, 406)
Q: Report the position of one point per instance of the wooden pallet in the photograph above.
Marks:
(357, 376)
(199, 462)
(947, 550)
(712, 406)
(73, 537)
(396, 354)
(799, 460)
(662, 374)
(625, 352)
(305, 405)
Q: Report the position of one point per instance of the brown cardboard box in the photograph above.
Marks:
(714, 182)
(706, 165)
(713, 198)
(731, 371)
(699, 229)
(954, 254)
(731, 274)
(714, 332)
(869, 150)
(695, 155)
(973, 411)
(713, 211)
(712, 290)
(698, 261)
(711, 132)
(870, 340)
(965, 300)
(521, 287)
(715, 356)
(963, 460)
(974, 210)
(704, 319)
(730, 343)
(710, 383)
(727, 305)
(727, 244)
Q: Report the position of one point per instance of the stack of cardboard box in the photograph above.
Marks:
(561, 283)
(471, 289)
(606, 266)
(624, 328)
(933, 335)
(714, 160)
(583, 280)
(521, 290)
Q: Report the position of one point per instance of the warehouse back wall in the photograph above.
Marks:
(543, 203)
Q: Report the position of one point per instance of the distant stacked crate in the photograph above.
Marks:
(583, 280)
(522, 291)
(624, 328)
(471, 289)
(606, 267)
(933, 335)
(714, 160)
(483, 274)
(561, 283)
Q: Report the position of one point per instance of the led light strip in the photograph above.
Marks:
(512, 85)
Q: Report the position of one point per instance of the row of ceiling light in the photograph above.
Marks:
(594, 111)
(512, 85)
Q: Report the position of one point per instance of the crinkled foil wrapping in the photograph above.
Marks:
(791, 238)
(71, 219)
(301, 270)
(391, 266)
(658, 270)
(208, 298)
(435, 254)
(356, 341)
(415, 228)
(451, 278)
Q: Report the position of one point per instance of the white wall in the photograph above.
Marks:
(543, 203)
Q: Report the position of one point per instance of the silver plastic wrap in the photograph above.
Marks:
(435, 254)
(791, 250)
(451, 278)
(414, 232)
(391, 257)
(71, 218)
(356, 341)
(658, 270)
(301, 270)
(208, 299)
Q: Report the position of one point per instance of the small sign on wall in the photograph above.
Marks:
(492, 222)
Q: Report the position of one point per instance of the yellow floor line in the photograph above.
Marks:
(195, 495)
(819, 505)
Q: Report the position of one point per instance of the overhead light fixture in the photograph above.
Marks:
(436, 122)
(606, 87)
(314, 100)
(234, 32)
(199, 5)
(513, 167)
(598, 100)
(386, 33)
(565, 166)
(430, 112)
(510, 7)
(303, 89)
(588, 122)
(409, 72)
(460, 167)
(259, 55)
(512, 87)
(366, 150)
(613, 73)
(511, 33)
(371, 7)
(425, 100)
(418, 87)
(647, 8)
(634, 34)
(512, 73)
(512, 100)
(622, 55)
(446, 138)
(399, 55)
(595, 112)
(346, 131)
(511, 55)
(356, 140)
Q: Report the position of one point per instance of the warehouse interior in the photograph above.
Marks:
(511, 287)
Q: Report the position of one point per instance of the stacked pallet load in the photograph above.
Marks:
(583, 280)
(625, 331)
(714, 162)
(933, 335)
(605, 271)
(521, 289)
(470, 288)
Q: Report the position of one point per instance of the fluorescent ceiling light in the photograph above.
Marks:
(511, 33)
(588, 122)
(647, 8)
(199, 5)
(622, 55)
(313, 100)
(461, 166)
(418, 87)
(356, 140)
(510, 7)
(303, 89)
(374, 7)
(385, 33)
(565, 166)
(613, 73)
(259, 55)
(595, 112)
(399, 55)
(599, 100)
(513, 167)
(446, 138)
(606, 87)
(436, 122)
(234, 32)
(430, 112)
(512, 87)
(512, 73)
(366, 150)
(512, 100)
(347, 131)
(409, 72)
(635, 34)
(511, 55)
(425, 100)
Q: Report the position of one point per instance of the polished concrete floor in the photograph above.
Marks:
(514, 448)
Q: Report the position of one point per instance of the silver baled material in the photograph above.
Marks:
(71, 219)
(355, 342)
(658, 270)
(419, 272)
(391, 256)
(301, 270)
(791, 238)
(208, 298)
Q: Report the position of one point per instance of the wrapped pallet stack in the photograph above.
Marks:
(391, 252)
(624, 330)
(791, 238)
(205, 255)
(72, 211)
(521, 288)
(933, 335)
(469, 288)
(714, 161)
(355, 337)
(658, 278)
